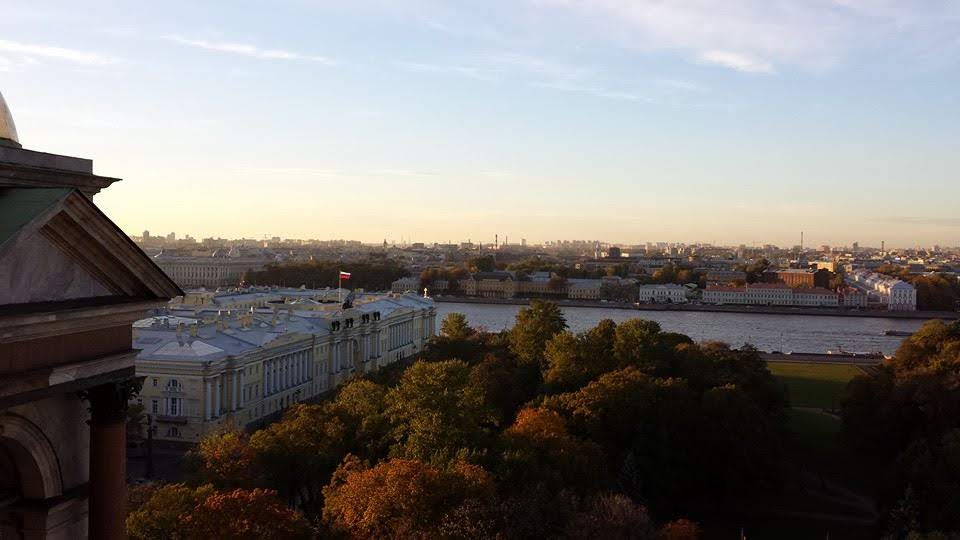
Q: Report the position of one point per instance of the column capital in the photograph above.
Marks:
(108, 402)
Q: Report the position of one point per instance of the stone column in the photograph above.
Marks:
(208, 399)
(108, 444)
(235, 377)
(216, 396)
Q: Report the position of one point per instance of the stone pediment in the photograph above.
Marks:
(56, 245)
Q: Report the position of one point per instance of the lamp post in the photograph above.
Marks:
(151, 429)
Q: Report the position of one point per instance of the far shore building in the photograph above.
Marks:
(240, 358)
(405, 284)
(222, 268)
(668, 293)
(770, 294)
(893, 293)
(71, 286)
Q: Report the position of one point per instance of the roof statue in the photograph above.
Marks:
(8, 130)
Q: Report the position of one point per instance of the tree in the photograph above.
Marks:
(435, 412)
(680, 529)
(455, 326)
(612, 517)
(297, 455)
(245, 515)
(542, 451)
(910, 408)
(159, 518)
(637, 343)
(361, 406)
(534, 327)
(176, 511)
(483, 263)
(226, 459)
(402, 498)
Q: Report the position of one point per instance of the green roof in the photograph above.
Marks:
(20, 206)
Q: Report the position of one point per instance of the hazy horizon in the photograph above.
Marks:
(723, 122)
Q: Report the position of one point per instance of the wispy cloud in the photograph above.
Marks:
(739, 62)
(923, 221)
(473, 72)
(56, 53)
(760, 37)
(594, 90)
(251, 51)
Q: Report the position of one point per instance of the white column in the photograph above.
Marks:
(216, 395)
(207, 399)
(236, 384)
(242, 387)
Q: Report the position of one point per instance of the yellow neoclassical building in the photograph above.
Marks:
(208, 367)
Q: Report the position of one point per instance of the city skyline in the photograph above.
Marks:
(733, 123)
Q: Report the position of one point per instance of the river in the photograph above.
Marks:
(787, 333)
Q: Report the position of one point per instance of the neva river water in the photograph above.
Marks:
(794, 333)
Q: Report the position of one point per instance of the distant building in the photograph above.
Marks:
(405, 284)
(770, 294)
(660, 294)
(222, 268)
(897, 295)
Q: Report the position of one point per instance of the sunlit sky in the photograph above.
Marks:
(724, 121)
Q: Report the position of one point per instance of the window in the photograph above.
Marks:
(155, 407)
(156, 382)
(173, 432)
(174, 407)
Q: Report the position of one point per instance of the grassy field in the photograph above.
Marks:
(817, 440)
(814, 385)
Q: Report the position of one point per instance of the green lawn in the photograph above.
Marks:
(814, 385)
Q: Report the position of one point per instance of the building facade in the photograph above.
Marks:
(669, 293)
(71, 285)
(894, 294)
(219, 270)
(208, 369)
(771, 294)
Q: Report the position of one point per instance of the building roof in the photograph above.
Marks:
(78, 229)
(159, 339)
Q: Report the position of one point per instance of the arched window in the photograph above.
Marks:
(173, 432)
(173, 385)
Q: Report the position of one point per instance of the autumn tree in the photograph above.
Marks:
(541, 450)
(535, 325)
(226, 459)
(177, 511)
(245, 515)
(402, 498)
(680, 529)
(159, 518)
(612, 516)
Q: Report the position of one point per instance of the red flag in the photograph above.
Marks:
(344, 275)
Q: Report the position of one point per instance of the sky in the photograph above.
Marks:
(628, 121)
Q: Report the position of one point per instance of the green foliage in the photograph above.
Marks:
(910, 408)
(455, 326)
(435, 412)
(371, 276)
(534, 327)
(484, 263)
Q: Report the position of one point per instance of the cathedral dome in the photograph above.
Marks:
(7, 128)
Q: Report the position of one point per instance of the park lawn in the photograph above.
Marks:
(814, 385)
